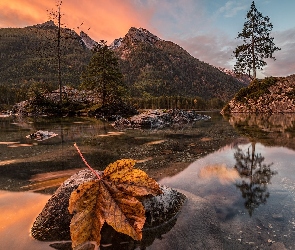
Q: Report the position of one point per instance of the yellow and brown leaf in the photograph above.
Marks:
(88, 217)
(112, 199)
(130, 180)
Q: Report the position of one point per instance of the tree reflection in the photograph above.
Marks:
(255, 177)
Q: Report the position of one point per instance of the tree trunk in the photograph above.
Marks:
(253, 50)
(58, 56)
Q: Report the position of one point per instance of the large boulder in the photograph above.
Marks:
(175, 220)
(271, 95)
(53, 223)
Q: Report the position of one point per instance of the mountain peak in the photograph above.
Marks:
(134, 36)
(141, 35)
(47, 24)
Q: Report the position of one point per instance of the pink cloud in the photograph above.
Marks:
(215, 49)
(284, 64)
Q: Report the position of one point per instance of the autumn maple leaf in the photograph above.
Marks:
(112, 198)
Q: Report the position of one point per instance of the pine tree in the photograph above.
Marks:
(103, 75)
(258, 44)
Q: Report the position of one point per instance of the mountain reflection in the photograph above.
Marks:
(255, 177)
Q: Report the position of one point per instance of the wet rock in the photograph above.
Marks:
(197, 227)
(163, 207)
(53, 223)
(54, 220)
(194, 228)
(157, 119)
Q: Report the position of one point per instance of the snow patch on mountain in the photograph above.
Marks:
(87, 40)
(116, 43)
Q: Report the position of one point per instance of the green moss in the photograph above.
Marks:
(256, 89)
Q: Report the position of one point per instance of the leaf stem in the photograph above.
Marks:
(86, 163)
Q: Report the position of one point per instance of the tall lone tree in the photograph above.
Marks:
(56, 15)
(61, 37)
(258, 44)
(103, 76)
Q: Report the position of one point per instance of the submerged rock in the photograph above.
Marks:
(175, 220)
(53, 223)
(197, 228)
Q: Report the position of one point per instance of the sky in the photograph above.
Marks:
(207, 29)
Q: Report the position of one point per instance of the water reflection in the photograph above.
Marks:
(269, 129)
(224, 174)
(112, 240)
(212, 177)
(255, 177)
(18, 210)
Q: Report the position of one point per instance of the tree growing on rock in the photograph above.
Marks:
(103, 75)
(257, 43)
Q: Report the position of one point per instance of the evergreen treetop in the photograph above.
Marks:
(103, 75)
(257, 43)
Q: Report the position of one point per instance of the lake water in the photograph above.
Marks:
(249, 183)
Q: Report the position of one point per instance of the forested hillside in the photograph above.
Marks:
(154, 70)
(29, 55)
(155, 67)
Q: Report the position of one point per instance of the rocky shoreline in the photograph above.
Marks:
(271, 95)
(158, 119)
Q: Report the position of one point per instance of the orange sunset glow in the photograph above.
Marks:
(224, 174)
(102, 20)
(206, 29)
(18, 212)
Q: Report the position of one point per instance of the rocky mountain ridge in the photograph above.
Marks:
(244, 78)
(134, 36)
(83, 37)
(87, 40)
(153, 66)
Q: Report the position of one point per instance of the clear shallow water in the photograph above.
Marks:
(252, 209)
(255, 206)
